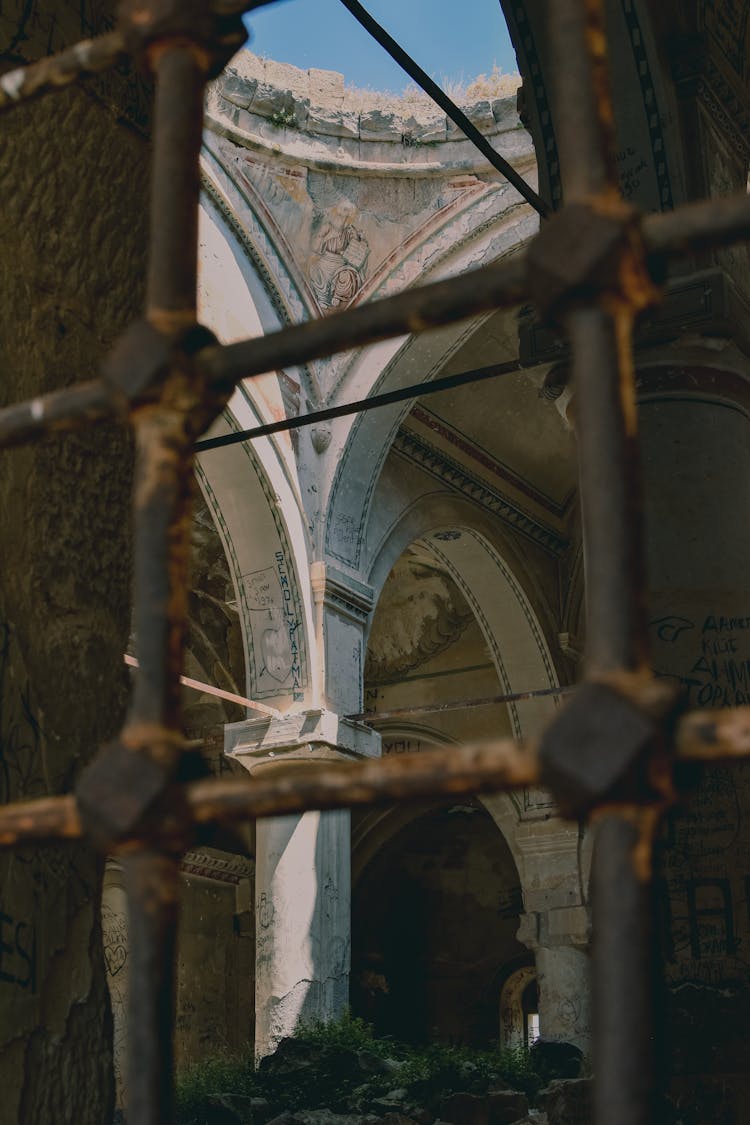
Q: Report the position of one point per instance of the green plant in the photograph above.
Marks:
(284, 119)
(215, 1077)
(349, 1032)
(344, 1066)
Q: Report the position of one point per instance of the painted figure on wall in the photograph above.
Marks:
(339, 265)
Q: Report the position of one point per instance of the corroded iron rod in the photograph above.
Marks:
(714, 735)
(69, 409)
(601, 339)
(175, 188)
(87, 57)
(49, 818)
(152, 883)
(698, 226)
(501, 285)
(701, 736)
(163, 507)
(447, 772)
(710, 223)
(441, 772)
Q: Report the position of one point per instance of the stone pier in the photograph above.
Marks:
(302, 877)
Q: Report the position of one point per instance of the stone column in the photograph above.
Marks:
(303, 907)
(696, 457)
(302, 877)
(556, 926)
(558, 939)
(115, 940)
(696, 453)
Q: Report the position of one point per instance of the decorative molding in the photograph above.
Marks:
(725, 110)
(239, 576)
(301, 734)
(697, 75)
(341, 593)
(456, 476)
(705, 302)
(548, 158)
(492, 641)
(456, 438)
(650, 103)
(221, 869)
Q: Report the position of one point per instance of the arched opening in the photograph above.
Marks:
(435, 914)
(437, 894)
(519, 1008)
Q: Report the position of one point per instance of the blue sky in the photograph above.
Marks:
(322, 33)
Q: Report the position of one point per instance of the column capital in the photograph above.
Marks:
(566, 927)
(312, 735)
(341, 592)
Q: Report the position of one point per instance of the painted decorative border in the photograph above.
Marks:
(546, 128)
(238, 576)
(650, 103)
(231, 554)
(221, 869)
(488, 633)
(453, 474)
(259, 246)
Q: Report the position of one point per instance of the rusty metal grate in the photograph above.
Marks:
(611, 753)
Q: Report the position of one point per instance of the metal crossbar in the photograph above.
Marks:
(610, 753)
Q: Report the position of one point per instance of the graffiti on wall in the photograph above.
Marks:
(705, 850)
(276, 627)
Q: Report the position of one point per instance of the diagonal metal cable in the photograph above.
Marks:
(387, 398)
(438, 95)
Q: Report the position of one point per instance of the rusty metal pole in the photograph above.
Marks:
(605, 408)
(152, 885)
(163, 493)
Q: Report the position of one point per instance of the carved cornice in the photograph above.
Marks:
(704, 303)
(221, 869)
(312, 735)
(698, 75)
(341, 593)
(456, 476)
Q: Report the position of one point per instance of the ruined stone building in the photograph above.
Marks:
(373, 582)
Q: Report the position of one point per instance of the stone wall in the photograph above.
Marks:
(73, 183)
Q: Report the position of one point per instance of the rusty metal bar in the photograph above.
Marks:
(605, 428)
(698, 226)
(152, 886)
(691, 228)
(438, 772)
(586, 152)
(163, 495)
(714, 735)
(601, 340)
(501, 285)
(175, 187)
(623, 991)
(87, 57)
(701, 736)
(448, 772)
(49, 818)
(69, 409)
(449, 107)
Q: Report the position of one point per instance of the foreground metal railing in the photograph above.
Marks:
(610, 753)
